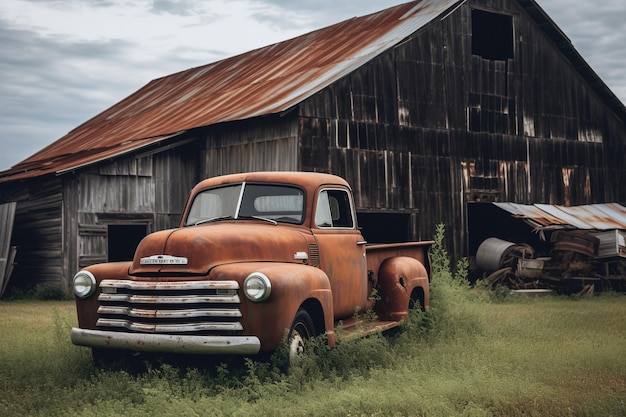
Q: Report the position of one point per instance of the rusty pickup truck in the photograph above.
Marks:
(256, 256)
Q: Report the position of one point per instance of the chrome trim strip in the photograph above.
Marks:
(168, 328)
(167, 299)
(167, 314)
(169, 285)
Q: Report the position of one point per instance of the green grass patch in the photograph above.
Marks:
(472, 354)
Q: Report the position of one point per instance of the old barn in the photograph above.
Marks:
(425, 108)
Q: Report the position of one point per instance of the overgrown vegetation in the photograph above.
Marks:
(470, 355)
(47, 291)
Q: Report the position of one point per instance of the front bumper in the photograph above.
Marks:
(165, 343)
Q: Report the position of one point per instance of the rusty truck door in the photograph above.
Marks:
(341, 250)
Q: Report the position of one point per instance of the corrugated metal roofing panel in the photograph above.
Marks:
(531, 212)
(263, 81)
(66, 163)
(607, 216)
(569, 216)
(594, 217)
(614, 211)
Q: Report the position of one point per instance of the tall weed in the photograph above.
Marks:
(451, 298)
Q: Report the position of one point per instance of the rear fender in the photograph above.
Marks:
(292, 286)
(398, 279)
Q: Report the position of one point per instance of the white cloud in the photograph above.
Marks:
(597, 31)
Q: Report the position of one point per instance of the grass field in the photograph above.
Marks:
(472, 355)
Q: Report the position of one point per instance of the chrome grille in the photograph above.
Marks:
(178, 307)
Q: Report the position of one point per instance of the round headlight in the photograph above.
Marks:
(257, 287)
(84, 284)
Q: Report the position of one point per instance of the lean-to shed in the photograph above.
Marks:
(424, 108)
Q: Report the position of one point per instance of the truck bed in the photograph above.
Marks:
(377, 253)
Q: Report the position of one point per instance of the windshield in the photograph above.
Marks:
(279, 203)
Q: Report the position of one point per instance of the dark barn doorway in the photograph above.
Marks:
(486, 220)
(123, 240)
(385, 227)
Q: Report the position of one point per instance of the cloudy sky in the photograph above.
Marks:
(64, 61)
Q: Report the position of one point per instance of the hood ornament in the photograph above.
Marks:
(163, 260)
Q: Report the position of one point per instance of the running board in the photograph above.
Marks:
(359, 327)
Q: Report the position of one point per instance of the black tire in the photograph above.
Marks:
(301, 330)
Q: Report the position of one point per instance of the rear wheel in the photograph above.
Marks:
(301, 330)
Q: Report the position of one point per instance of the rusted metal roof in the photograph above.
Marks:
(607, 216)
(260, 82)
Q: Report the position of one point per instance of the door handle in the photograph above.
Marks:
(361, 242)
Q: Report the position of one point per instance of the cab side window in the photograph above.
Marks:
(333, 209)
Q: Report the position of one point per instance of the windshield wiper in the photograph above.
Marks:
(213, 219)
(274, 222)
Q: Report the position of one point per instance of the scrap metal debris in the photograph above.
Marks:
(579, 262)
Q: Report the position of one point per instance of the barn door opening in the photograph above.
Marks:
(492, 35)
(123, 240)
(386, 227)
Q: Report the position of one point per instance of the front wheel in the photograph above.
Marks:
(301, 330)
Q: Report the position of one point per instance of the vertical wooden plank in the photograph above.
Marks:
(7, 254)
(92, 244)
(38, 234)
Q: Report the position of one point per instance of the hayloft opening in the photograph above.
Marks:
(492, 35)
(123, 240)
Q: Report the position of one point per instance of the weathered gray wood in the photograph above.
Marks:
(7, 252)
(38, 235)
(530, 127)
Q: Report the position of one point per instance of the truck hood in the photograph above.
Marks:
(197, 249)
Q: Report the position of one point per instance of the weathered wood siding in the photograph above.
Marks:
(118, 192)
(7, 252)
(61, 223)
(175, 173)
(148, 190)
(37, 233)
(431, 126)
(261, 144)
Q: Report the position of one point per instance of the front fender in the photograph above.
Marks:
(87, 309)
(292, 285)
(397, 278)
